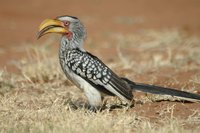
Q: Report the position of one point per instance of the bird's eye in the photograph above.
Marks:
(66, 23)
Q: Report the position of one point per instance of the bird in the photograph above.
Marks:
(88, 72)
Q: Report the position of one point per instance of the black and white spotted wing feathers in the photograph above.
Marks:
(95, 72)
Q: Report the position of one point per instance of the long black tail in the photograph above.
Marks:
(161, 90)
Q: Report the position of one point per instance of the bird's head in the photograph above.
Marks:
(70, 27)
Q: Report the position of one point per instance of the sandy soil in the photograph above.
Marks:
(19, 24)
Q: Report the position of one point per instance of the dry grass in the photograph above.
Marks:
(40, 99)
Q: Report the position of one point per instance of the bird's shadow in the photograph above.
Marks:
(78, 105)
(81, 105)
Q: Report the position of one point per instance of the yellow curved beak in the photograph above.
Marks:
(51, 26)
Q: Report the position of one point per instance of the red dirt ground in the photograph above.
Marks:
(20, 20)
(19, 24)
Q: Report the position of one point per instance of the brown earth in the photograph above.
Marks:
(20, 20)
(19, 24)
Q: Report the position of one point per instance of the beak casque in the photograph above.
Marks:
(51, 26)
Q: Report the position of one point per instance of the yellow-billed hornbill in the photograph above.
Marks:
(88, 72)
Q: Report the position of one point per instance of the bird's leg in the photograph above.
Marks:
(131, 103)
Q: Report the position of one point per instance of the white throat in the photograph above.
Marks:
(66, 44)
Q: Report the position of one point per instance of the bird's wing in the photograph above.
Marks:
(95, 72)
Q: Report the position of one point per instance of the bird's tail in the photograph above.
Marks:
(161, 90)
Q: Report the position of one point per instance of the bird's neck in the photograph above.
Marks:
(67, 45)
(73, 43)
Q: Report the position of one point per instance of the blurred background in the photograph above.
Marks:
(19, 20)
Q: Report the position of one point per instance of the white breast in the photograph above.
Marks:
(92, 94)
